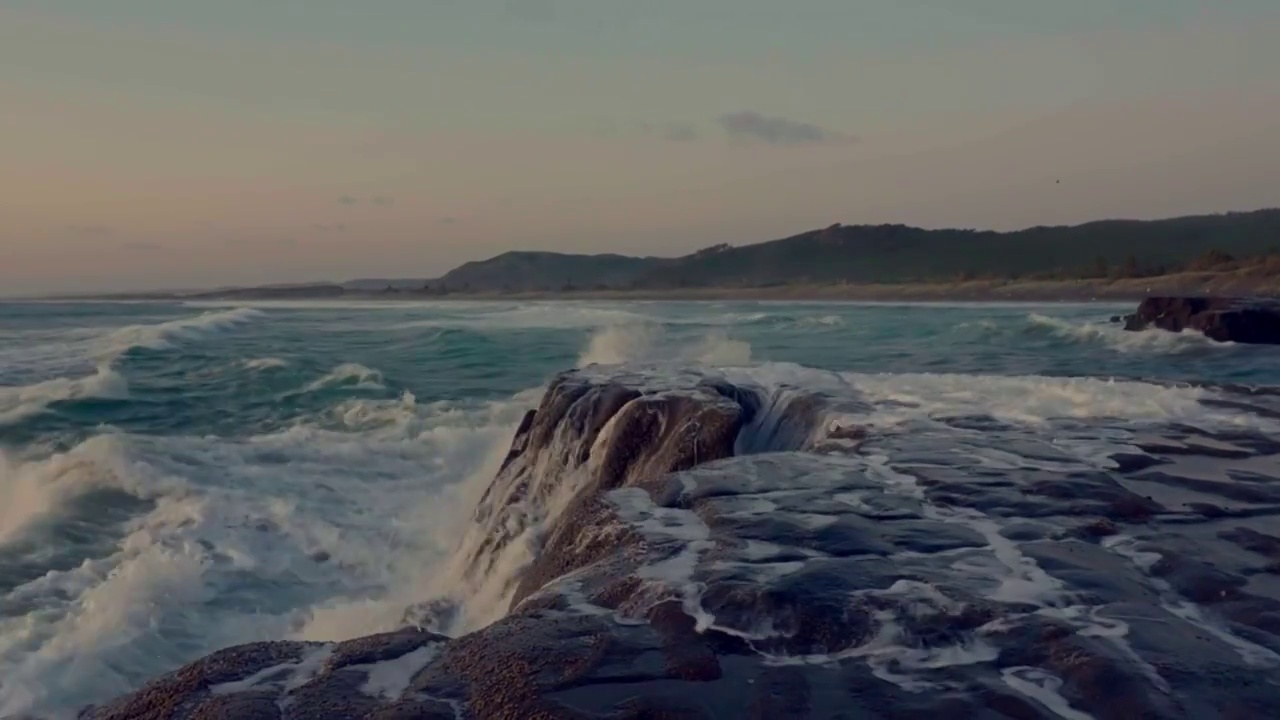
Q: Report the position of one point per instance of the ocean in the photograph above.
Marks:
(177, 477)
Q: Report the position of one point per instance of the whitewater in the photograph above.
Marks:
(176, 478)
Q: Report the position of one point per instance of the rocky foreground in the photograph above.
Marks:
(696, 547)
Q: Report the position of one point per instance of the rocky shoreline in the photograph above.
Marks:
(698, 546)
(1252, 321)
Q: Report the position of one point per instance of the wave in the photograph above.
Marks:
(561, 316)
(1121, 340)
(536, 316)
(311, 532)
(20, 403)
(820, 321)
(352, 375)
(162, 336)
(1033, 401)
(360, 517)
(267, 363)
(332, 532)
(647, 343)
(103, 350)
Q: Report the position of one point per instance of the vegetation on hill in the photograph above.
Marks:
(900, 254)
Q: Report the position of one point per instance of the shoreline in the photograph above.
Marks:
(977, 291)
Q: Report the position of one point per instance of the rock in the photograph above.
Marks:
(1241, 320)
(691, 547)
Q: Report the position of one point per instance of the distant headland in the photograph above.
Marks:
(1229, 253)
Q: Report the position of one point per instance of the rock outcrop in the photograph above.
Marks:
(1241, 320)
(692, 547)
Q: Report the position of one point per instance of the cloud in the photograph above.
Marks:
(142, 246)
(448, 220)
(383, 200)
(671, 132)
(334, 227)
(348, 200)
(753, 126)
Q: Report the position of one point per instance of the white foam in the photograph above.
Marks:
(486, 316)
(283, 677)
(1114, 335)
(32, 489)
(1092, 623)
(648, 343)
(20, 403)
(354, 374)
(389, 679)
(560, 316)
(673, 575)
(1044, 688)
(163, 335)
(820, 321)
(618, 344)
(887, 654)
(345, 526)
(520, 513)
(86, 346)
(1253, 654)
(1032, 401)
(267, 363)
(1017, 577)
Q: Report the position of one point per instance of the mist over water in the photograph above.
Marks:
(177, 478)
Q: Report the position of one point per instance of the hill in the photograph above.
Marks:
(892, 254)
(534, 271)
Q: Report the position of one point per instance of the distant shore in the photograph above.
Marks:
(971, 291)
(1083, 290)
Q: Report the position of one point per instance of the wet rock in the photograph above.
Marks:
(1266, 545)
(686, 547)
(1241, 320)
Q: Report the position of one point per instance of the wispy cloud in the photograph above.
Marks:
(748, 125)
(383, 200)
(330, 227)
(448, 220)
(348, 200)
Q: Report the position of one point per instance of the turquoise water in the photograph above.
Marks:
(175, 478)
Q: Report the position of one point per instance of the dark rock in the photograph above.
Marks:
(694, 553)
(1241, 320)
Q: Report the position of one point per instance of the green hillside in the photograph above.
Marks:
(892, 254)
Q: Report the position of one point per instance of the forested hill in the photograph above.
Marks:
(893, 253)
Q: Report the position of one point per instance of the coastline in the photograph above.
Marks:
(974, 291)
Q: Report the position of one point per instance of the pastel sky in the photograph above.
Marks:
(192, 143)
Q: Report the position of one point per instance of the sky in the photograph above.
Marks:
(188, 143)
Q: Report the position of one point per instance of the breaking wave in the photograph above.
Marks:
(1113, 335)
(362, 515)
(18, 403)
(648, 343)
